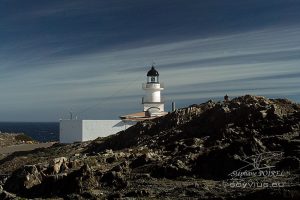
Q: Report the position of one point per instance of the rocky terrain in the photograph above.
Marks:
(244, 148)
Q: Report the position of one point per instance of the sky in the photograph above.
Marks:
(90, 57)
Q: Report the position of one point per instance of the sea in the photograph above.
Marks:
(40, 131)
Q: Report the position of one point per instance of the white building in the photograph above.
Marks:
(84, 130)
(153, 102)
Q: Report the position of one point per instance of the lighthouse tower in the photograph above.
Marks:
(152, 101)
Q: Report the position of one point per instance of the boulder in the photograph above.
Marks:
(141, 160)
(115, 179)
(57, 165)
(122, 167)
(6, 195)
(23, 179)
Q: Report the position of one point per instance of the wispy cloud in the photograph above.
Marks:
(43, 76)
(260, 62)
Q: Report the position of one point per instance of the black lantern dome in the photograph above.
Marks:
(152, 72)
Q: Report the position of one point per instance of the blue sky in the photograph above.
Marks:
(91, 57)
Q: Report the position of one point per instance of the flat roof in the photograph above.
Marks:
(140, 116)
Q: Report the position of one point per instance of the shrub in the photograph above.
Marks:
(23, 137)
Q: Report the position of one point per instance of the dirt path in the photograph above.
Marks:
(24, 147)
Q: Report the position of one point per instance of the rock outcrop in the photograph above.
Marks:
(214, 150)
(9, 139)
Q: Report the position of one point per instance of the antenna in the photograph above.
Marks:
(173, 106)
(153, 63)
(71, 115)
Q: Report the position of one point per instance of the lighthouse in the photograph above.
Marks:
(152, 102)
(79, 130)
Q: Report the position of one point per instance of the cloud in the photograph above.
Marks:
(43, 76)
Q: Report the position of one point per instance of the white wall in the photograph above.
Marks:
(100, 128)
(84, 130)
(70, 131)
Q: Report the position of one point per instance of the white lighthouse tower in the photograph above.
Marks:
(152, 101)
